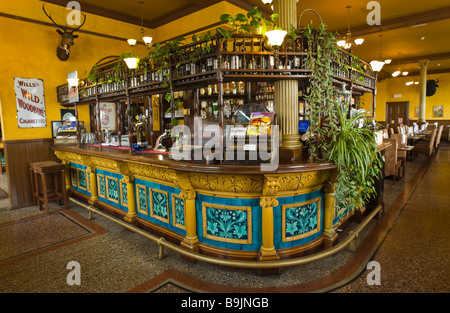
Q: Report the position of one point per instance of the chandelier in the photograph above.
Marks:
(346, 42)
(146, 39)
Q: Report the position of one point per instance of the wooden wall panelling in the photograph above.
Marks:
(18, 155)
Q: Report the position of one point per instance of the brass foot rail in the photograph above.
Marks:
(353, 235)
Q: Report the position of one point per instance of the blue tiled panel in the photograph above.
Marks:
(79, 178)
(109, 190)
(341, 215)
(229, 228)
(160, 197)
(278, 226)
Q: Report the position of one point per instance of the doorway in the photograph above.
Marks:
(397, 113)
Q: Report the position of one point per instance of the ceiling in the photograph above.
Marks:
(410, 30)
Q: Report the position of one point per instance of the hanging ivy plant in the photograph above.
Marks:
(335, 137)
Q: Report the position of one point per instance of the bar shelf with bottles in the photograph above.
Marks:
(209, 61)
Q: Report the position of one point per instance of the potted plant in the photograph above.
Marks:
(336, 137)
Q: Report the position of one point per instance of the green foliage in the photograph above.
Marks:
(161, 57)
(336, 138)
(246, 23)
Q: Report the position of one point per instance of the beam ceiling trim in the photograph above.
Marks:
(415, 59)
(401, 22)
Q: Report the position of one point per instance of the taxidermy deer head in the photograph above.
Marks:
(67, 36)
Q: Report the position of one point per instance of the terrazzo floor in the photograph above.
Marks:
(409, 242)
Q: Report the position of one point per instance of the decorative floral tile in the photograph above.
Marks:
(101, 186)
(159, 204)
(142, 199)
(227, 223)
(178, 211)
(82, 179)
(301, 220)
(74, 176)
(112, 185)
(124, 192)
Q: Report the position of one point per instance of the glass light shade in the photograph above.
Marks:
(276, 37)
(404, 73)
(147, 40)
(416, 83)
(388, 61)
(359, 41)
(131, 62)
(73, 82)
(347, 45)
(132, 42)
(341, 43)
(409, 83)
(376, 65)
(396, 73)
(266, 1)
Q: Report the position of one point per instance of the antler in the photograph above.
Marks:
(51, 19)
(84, 15)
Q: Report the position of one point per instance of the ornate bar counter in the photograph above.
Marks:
(236, 212)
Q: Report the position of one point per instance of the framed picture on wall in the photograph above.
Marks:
(55, 126)
(68, 115)
(438, 111)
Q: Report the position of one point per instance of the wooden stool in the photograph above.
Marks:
(52, 190)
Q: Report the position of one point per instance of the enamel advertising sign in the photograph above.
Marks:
(30, 102)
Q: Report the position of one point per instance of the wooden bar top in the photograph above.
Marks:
(163, 160)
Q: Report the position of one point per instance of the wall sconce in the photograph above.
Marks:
(132, 62)
(396, 73)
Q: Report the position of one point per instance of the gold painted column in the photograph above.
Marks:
(267, 202)
(190, 216)
(131, 216)
(423, 64)
(286, 91)
(93, 200)
(329, 213)
(67, 174)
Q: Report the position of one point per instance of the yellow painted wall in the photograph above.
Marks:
(392, 86)
(194, 21)
(29, 51)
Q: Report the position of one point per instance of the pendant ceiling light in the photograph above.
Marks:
(346, 42)
(276, 37)
(146, 39)
(377, 65)
(399, 71)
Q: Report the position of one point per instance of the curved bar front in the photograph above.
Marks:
(237, 212)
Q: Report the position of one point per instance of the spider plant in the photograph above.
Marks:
(355, 154)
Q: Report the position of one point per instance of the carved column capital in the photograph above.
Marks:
(188, 194)
(268, 202)
(128, 179)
